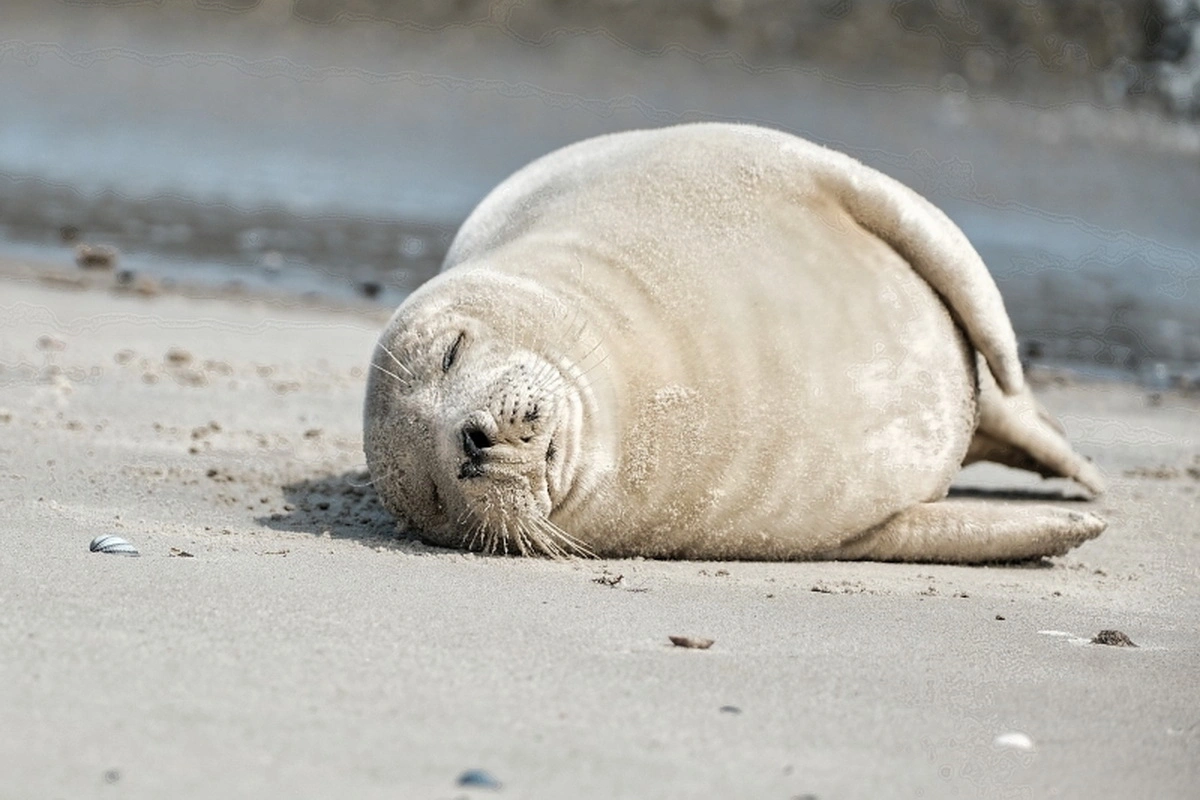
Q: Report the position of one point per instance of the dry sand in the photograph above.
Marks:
(276, 639)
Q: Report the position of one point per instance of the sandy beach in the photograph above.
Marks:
(277, 639)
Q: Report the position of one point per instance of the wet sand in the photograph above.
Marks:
(275, 638)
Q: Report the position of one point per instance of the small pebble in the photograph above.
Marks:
(50, 343)
(1113, 639)
(692, 642)
(730, 710)
(177, 356)
(95, 256)
(147, 286)
(114, 545)
(479, 779)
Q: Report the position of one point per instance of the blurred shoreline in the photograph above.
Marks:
(317, 149)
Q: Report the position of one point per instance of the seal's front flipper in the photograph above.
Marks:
(1015, 430)
(973, 532)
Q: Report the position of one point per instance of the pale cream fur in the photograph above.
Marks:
(705, 341)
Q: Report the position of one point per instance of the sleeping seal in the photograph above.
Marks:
(710, 341)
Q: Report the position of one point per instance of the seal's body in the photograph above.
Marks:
(708, 341)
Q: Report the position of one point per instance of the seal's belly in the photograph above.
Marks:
(794, 388)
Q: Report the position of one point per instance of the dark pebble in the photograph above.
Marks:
(95, 256)
(1113, 639)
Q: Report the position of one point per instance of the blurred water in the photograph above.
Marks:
(243, 142)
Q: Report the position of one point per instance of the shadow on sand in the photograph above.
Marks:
(344, 506)
(1050, 494)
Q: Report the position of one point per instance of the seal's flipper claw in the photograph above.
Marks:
(975, 532)
(1017, 431)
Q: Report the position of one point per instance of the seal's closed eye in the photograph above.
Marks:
(452, 353)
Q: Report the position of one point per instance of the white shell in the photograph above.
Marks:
(113, 544)
(1014, 739)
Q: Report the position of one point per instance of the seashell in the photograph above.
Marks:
(479, 779)
(108, 543)
(692, 642)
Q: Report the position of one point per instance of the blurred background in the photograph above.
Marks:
(329, 150)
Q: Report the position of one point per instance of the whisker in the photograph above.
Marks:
(570, 545)
(475, 533)
(545, 375)
(576, 372)
(524, 542)
(585, 373)
(582, 359)
(541, 544)
(373, 480)
(392, 375)
(558, 552)
(398, 362)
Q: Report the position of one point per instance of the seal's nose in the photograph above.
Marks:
(475, 441)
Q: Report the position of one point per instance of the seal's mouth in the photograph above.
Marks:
(500, 502)
(504, 513)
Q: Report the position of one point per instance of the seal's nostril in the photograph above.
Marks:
(475, 440)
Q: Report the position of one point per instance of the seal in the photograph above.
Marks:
(710, 341)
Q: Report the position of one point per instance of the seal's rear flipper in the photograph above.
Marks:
(936, 249)
(973, 532)
(1017, 431)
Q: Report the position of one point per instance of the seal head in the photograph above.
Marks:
(471, 431)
